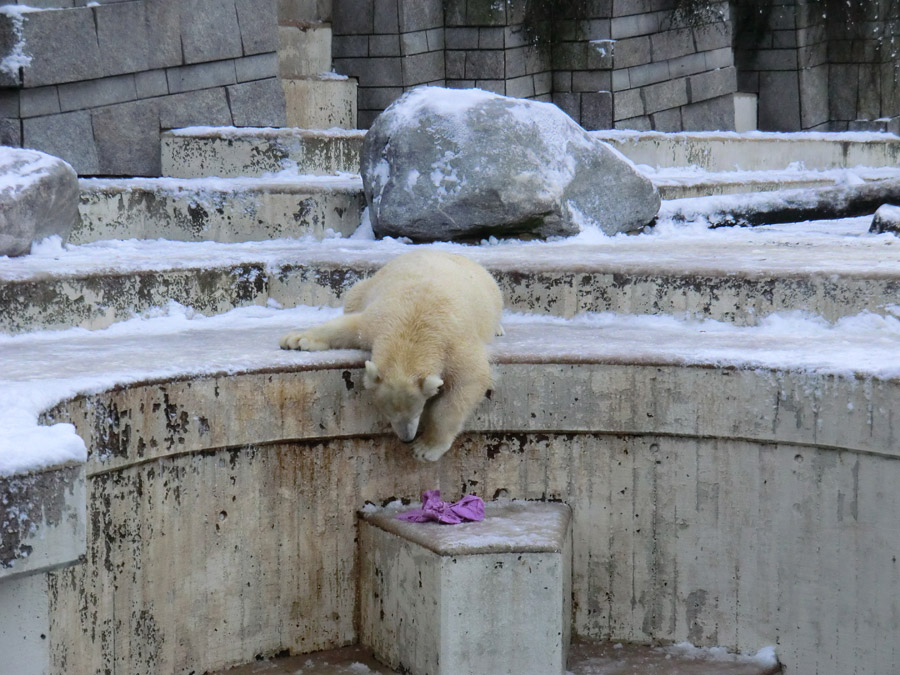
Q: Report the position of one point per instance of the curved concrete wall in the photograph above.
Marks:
(721, 506)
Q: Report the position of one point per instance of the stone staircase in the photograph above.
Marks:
(727, 478)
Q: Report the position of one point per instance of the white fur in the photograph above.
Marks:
(427, 317)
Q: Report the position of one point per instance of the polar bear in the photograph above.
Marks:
(427, 317)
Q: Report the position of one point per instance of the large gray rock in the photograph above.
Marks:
(38, 198)
(886, 219)
(443, 164)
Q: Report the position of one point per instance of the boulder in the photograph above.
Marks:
(887, 219)
(443, 164)
(38, 198)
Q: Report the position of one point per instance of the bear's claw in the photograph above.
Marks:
(303, 342)
(429, 453)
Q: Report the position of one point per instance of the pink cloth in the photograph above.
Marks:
(469, 508)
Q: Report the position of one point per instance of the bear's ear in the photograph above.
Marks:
(372, 378)
(431, 385)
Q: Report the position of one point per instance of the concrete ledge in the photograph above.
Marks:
(492, 597)
(196, 152)
(210, 210)
(321, 102)
(753, 151)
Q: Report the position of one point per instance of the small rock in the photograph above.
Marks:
(38, 198)
(443, 164)
(887, 219)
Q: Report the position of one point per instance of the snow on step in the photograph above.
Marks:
(225, 210)
(832, 269)
(493, 596)
(195, 152)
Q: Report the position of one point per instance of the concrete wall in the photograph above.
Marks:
(222, 510)
(103, 80)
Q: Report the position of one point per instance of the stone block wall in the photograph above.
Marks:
(819, 64)
(622, 64)
(390, 46)
(95, 83)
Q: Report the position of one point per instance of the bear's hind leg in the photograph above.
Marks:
(340, 333)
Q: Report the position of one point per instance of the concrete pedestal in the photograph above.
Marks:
(490, 597)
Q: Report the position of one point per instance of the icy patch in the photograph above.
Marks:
(764, 657)
(16, 58)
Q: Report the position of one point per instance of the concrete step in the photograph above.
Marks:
(224, 210)
(754, 151)
(197, 152)
(738, 276)
(585, 658)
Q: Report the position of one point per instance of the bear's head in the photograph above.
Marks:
(401, 399)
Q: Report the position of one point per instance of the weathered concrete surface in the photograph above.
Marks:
(216, 211)
(491, 597)
(198, 152)
(231, 499)
(726, 151)
(320, 102)
(25, 625)
(42, 521)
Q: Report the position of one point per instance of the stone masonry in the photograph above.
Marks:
(622, 64)
(96, 82)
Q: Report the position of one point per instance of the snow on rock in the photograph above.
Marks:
(442, 164)
(887, 219)
(38, 198)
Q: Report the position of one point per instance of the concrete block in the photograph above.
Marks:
(63, 45)
(670, 94)
(69, 136)
(9, 103)
(496, 86)
(628, 104)
(814, 96)
(641, 123)
(520, 87)
(96, 93)
(515, 61)
(258, 22)
(163, 33)
(843, 90)
(306, 51)
(646, 23)
(569, 56)
(386, 17)
(201, 76)
(812, 56)
(257, 104)
(378, 98)
(666, 120)
(486, 65)
(712, 36)
(454, 13)
(320, 103)
(256, 67)
(122, 36)
(689, 64)
(591, 80)
(461, 38)
(374, 72)
(671, 44)
(206, 107)
(621, 79)
(199, 43)
(543, 83)
(127, 139)
(717, 114)
(151, 83)
(384, 45)
(569, 103)
(38, 101)
(601, 54)
(597, 110)
(632, 52)
(352, 17)
(719, 58)
(491, 38)
(779, 101)
(480, 13)
(423, 68)
(435, 37)
(649, 73)
(489, 597)
(348, 45)
(413, 43)
(309, 11)
(454, 65)
(745, 115)
(712, 84)
(562, 81)
(418, 15)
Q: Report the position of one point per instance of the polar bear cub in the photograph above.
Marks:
(427, 317)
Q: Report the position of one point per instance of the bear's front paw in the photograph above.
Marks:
(429, 452)
(304, 341)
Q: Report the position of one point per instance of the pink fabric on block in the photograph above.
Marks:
(469, 508)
